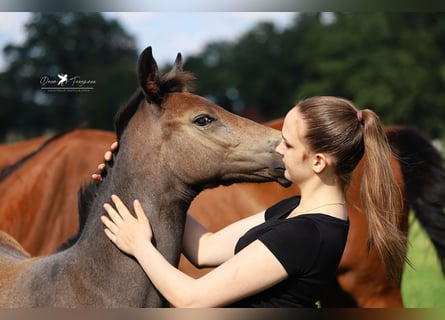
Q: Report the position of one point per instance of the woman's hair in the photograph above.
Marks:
(336, 127)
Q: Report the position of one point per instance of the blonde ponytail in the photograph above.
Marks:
(382, 198)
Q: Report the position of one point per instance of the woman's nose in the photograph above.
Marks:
(279, 148)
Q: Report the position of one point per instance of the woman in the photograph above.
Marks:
(287, 255)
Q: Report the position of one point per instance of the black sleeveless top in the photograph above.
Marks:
(308, 246)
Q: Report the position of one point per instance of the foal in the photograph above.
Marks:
(173, 144)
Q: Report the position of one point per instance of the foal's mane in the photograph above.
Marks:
(178, 81)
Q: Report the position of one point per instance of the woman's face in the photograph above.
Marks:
(292, 149)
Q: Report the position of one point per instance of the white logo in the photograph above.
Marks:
(66, 84)
(63, 79)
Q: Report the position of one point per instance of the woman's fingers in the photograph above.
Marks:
(96, 177)
(114, 215)
(108, 156)
(122, 228)
(114, 146)
(121, 213)
(121, 208)
(110, 235)
(111, 227)
(140, 214)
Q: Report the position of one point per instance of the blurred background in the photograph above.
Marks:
(254, 64)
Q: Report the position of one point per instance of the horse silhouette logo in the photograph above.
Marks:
(63, 79)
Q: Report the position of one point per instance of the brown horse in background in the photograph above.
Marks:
(173, 144)
(11, 153)
(39, 182)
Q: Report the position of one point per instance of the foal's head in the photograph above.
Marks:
(190, 139)
(172, 141)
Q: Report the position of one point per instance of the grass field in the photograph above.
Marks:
(423, 285)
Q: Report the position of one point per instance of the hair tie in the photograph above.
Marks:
(359, 116)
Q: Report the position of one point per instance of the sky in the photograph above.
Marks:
(166, 32)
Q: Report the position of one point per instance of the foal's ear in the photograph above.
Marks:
(148, 76)
(177, 67)
(176, 79)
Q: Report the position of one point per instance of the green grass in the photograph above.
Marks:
(423, 285)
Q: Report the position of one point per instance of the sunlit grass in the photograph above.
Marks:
(423, 284)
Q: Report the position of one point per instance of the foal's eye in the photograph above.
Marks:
(203, 120)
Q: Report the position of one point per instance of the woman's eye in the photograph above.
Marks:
(203, 120)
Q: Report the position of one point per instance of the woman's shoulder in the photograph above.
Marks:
(282, 207)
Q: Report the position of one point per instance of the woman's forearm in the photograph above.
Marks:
(174, 285)
(210, 249)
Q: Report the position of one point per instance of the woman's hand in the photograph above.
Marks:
(127, 232)
(108, 156)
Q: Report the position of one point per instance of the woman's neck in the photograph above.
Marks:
(321, 198)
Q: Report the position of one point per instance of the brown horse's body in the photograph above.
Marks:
(38, 204)
(173, 144)
(10, 153)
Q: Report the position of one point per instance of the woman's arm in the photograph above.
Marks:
(201, 247)
(250, 271)
(206, 249)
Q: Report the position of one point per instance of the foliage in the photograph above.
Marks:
(390, 62)
(85, 45)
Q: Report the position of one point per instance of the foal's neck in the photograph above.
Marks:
(166, 208)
